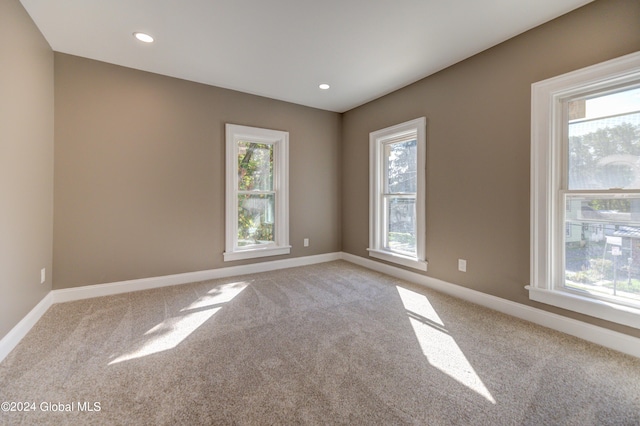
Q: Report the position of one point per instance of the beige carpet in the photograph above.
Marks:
(325, 344)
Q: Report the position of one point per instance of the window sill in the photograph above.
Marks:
(609, 311)
(408, 261)
(256, 252)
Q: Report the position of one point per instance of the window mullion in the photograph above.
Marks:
(400, 194)
(256, 192)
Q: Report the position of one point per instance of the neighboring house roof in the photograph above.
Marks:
(627, 231)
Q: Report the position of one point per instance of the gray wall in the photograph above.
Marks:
(139, 175)
(26, 164)
(478, 148)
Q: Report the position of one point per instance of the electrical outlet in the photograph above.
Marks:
(462, 265)
(43, 275)
(306, 242)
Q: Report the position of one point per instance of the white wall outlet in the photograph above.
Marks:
(43, 275)
(462, 265)
(306, 242)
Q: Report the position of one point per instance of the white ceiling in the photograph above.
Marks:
(284, 49)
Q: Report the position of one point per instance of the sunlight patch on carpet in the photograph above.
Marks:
(438, 346)
(172, 331)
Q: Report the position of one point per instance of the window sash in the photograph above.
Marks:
(271, 165)
(589, 176)
(270, 220)
(387, 146)
(560, 281)
(273, 191)
(386, 232)
(387, 196)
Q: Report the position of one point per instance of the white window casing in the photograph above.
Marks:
(279, 140)
(378, 199)
(548, 186)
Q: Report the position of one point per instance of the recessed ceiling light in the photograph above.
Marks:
(143, 37)
(324, 86)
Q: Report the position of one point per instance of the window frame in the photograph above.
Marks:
(377, 197)
(280, 140)
(548, 186)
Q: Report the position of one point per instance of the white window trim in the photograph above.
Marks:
(546, 175)
(280, 140)
(376, 218)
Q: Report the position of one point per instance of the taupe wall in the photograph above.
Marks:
(139, 173)
(26, 164)
(478, 144)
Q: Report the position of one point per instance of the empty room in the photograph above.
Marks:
(320, 212)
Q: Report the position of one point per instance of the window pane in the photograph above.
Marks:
(604, 141)
(401, 170)
(602, 245)
(401, 223)
(256, 215)
(255, 166)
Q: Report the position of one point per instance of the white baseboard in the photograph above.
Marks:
(98, 290)
(11, 340)
(17, 333)
(602, 336)
(599, 335)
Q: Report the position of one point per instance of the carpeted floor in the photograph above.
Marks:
(324, 344)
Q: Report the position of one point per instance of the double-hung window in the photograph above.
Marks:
(585, 205)
(397, 190)
(257, 206)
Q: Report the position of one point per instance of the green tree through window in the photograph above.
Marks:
(255, 193)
